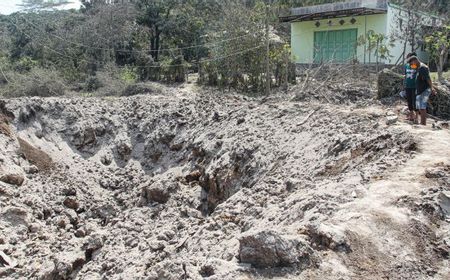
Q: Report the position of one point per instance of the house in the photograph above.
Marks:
(338, 32)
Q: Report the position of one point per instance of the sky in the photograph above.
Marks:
(9, 6)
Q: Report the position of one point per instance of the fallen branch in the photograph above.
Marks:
(307, 117)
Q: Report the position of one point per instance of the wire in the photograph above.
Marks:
(147, 66)
(138, 51)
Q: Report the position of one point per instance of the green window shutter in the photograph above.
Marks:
(336, 46)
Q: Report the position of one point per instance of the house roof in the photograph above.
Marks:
(334, 10)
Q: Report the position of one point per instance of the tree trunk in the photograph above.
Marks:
(157, 43)
(376, 54)
(440, 67)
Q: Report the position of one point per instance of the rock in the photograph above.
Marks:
(156, 192)
(216, 117)
(389, 83)
(32, 169)
(16, 216)
(207, 270)
(67, 262)
(94, 242)
(71, 215)
(193, 176)
(434, 173)
(240, 121)
(69, 191)
(444, 202)
(327, 237)
(105, 211)
(80, 233)
(13, 179)
(266, 249)
(176, 147)
(106, 159)
(168, 269)
(124, 149)
(71, 203)
(166, 235)
(47, 271)
(193, 213)
(83, 137)
(391, 120)
(6, 260)
(34, 227)
(157, 195)
(439, 104)
(63, 222)
(157, 245)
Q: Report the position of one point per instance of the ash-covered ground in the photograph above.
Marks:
(189, 184)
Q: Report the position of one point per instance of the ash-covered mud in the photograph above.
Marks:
(189, 185)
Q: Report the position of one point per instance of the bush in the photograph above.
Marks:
(139, 88)
(92, 83)
(37, 82)
(110, 81)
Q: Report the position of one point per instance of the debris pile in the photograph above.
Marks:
(183, 185)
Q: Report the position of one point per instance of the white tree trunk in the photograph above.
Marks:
(440, 67)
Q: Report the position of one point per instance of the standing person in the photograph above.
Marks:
(424, 87)
(410, 89)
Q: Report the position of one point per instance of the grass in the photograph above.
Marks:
(434, 75)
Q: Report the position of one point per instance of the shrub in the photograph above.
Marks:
(139, 88)
(36, 82)
(110, 81)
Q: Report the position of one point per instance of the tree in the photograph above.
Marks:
(378, 44)
(438, 45)
(159, 17)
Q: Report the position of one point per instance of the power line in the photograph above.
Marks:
(140, 51)
(147, 66)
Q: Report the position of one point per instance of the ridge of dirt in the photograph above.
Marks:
(188, 184)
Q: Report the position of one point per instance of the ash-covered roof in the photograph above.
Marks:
(333, 10)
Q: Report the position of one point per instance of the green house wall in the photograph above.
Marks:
(302, 35)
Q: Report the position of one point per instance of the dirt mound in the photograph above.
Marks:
(191, 185)
(35, 156)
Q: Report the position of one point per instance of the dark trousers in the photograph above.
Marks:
(411, 98)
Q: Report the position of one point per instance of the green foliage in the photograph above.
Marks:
(37, 82)
(438, 41)
(377, 43)
(128, 75)
(438, 45)
(25, 63)
(106, 47)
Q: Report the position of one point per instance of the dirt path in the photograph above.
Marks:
(391, 206)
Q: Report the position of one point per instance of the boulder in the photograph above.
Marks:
(390, 83)
(444, 202)
(439, 104)
(68, 262)
(267, 249)
(13, 179)
(324, 237)
(71, 203)
(391, 120)
(158, 191)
